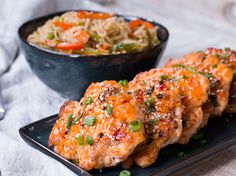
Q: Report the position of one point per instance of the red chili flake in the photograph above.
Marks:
(161, 87)
(118, 135)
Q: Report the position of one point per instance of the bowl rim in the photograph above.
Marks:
(88, 57)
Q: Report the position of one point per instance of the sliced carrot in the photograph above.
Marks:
(83, 36)
(148, 25)
(82, 14)
(101, 15)
(104, 47)
(63, 25)
(69, 46)
(134, 24)
(94, 15)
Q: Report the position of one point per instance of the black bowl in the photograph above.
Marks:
(71, 74)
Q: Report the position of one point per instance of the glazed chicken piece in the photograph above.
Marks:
(219, 75)
(227, 57)
(101, 130)
(160, 101)
(194, 93)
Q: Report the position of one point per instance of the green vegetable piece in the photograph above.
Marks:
(124, 83)
(68, 122)
(89, 140)
(182, 154)
(191, 68)
(227, 49)
(185, 77)
(109, 110)
(178, 66)
(149, 101)
(163, 78)
(50, 35)
(90, 51)
(125, 173)
(203, 142)
(234, 75)
(198, 136)
(217, 55)
(214, 65)
(225, 56)
(81, 23)
(88, 100)
(80, 140)
(77, 119)
(90, 120)
(144, 82)
(95, 37)
(128, 47)
(134, 126)
(61, 19)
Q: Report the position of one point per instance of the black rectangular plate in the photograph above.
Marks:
(219, 134)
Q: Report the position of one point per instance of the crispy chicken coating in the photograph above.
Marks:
(219, 75)
(194, 93)
(227, 57)
(160, 100)
(101, 130)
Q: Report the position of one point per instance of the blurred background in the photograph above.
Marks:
(193, 25)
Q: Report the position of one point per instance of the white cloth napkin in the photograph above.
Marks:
(26, 98)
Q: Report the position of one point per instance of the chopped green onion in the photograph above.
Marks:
(185, 77)
(50, 35)
(156, 42)
(134, 125)
(90, 120)
(225, 56)
(125, 173)
(207, 75)
(198, 136)
(89, 140)
(214, 65)
(95, 37)
(227, 49)
(217, 55)
(163, 78)
(88, 100)
(90, 51)
(203, 142)
(61, 19)
(77, 119)
(80, 140)
(144, 82)
(149, 101)
(81, 23)
(178, 66)
(109, 110)
(234, 75)
(191, 68)
(68, 122)
(128, 47)
(124, 83)
(182, 154)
